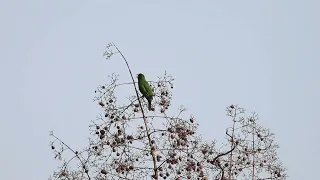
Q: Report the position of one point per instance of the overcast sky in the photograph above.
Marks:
(261, 55)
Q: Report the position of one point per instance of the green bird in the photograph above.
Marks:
(145, 89)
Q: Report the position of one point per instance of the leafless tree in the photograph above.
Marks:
(129, 142)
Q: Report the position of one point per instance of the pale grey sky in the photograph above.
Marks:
(262, 55)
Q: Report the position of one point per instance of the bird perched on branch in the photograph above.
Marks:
(145, 89)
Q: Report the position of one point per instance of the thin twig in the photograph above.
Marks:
(82, 163)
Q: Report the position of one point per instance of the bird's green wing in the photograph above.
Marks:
(148, 89)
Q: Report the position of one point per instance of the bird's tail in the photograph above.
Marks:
(149, 103)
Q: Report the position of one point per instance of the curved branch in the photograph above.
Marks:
(143, 114)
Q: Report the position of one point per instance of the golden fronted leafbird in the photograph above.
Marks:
(145, 89)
